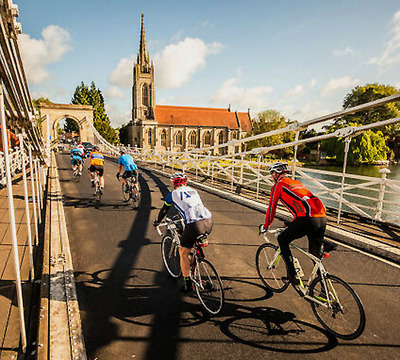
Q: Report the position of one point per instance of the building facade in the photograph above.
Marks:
(177, 128)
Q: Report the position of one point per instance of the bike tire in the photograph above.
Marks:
(347, 322)
(98, 193)
(208, 287)
(136, 196)
(170, 255)
(273, 277)
(125, 195)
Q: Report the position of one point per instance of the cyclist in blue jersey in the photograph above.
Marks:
(131, 170)
(76, 159)
(197, 219)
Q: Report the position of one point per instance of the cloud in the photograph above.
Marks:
(121, 76)
(114, 92)
(313, 82)
(339, 83)
(339, 53)
(118, 119)
(391, 52)
(229, 93)
(298, 89)
(176, 64)
(37, 53)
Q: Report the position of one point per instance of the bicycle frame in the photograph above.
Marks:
(304, 288)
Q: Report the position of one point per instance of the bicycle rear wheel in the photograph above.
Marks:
(98, 192)
(273, 273)
(135, 196)
(208, 286)
(345, 316)
(125, 194)
(170, 254)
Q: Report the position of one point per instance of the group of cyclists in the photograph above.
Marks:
(97, 165)
(309, 214)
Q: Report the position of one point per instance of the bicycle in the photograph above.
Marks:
(98, 192)
(334, 303)
(204, 276)
(131, 191)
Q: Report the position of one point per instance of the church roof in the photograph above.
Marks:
(196, 116)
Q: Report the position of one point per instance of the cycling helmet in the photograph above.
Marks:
(122, 150)
(279, 167)
(179, 179)
(96, 148)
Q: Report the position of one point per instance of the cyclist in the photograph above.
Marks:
(97, 165)
(76, 159)
(195, 215)
(131, 170)
(309, 215)
(81, 148)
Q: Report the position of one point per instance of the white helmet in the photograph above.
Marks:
(279, 167)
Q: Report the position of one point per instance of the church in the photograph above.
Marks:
(177, 128)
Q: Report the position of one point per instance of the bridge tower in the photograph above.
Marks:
(143, 92)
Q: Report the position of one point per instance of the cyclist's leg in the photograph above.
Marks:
(80, 165)
(295, 230)
(100, 171)
(124, 176)
(316, 236)
(91, 171)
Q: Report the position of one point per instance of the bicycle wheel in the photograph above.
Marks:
(98, 192)
(345, 316)
(170, 254)
(208, 286)
(125, 194)
(135, 196)
(271, 273)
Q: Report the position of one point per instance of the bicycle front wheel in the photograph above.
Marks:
(342, 312)
(271, 268)
(170, 254)
(208, 286)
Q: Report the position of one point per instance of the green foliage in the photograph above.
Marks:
(92, 96)
(368, 147)
(71, 126)
(267, 121)
(36, 103)
(371, 92)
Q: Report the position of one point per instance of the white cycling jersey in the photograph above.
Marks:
(188, 203)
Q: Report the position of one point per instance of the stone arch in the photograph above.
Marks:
(81, 114)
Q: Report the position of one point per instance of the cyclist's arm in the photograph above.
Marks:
(136, 175)
(273, 202)
(163, 212)
(119, 168)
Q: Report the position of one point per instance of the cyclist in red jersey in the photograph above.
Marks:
(309, 215)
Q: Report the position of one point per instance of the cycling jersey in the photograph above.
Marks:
(188, 203)
(96, 158)
(127, 161)
(81, 148)
(296, 197)
(76, 153)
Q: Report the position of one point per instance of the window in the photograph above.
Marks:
(149, 137)
(192, 138)
(145, 95)
(207, 138)
(163, 137)
(178, 138)
(221, 137)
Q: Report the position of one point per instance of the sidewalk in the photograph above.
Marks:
(9, 312)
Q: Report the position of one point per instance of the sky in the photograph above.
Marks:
(300, 58)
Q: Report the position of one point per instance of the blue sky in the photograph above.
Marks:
(298, 57)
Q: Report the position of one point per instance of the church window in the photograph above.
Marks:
(193, 138)
(207, 138)
(163, 137)
(178, 138)
(150, 137)
(145, 95)
(221, 137)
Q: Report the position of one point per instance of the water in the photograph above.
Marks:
(365, 170)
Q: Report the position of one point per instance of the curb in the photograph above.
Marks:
(379, 249)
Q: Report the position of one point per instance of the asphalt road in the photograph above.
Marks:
(131, 309)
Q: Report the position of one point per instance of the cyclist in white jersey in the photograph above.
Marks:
(195, 215)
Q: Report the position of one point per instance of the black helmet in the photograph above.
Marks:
(279, 167)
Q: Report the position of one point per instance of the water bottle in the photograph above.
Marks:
(297, 267)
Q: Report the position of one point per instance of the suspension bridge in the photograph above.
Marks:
(85, 280)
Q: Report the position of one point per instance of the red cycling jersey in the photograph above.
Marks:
(296, 197)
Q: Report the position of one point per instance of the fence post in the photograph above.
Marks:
(27, 212)
(12, 222)
(258, 176)
(35, 217)
(379, 207)
(295, 155)
(38, 193)
(346, 152)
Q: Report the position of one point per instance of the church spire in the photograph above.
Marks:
(143, 56)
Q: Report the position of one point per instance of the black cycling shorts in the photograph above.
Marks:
(128, 174)
(193, 230)
(98, 168)
(76, 162)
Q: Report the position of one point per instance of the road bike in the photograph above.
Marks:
(204, 276)
(131, 191)
(76, 173)
(334, 303)
(97, 189)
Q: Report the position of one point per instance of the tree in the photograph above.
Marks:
(93, 96)
(71, 126)
(267, 121)
(36, 104)
(368, 147)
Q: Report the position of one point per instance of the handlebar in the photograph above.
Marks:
(169, 223)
